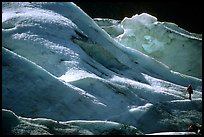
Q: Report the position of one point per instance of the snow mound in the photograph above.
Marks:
(15, 125)
(141, 32)
(58, 64)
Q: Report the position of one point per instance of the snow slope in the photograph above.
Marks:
(59, 64)
(179, 49)
(42, 126)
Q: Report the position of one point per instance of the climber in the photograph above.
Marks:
(197, 128)
(193, 128)
(189, 90)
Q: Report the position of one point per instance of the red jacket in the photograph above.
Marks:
(189, 89)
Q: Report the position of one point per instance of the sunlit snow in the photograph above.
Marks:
(179, 49)
(62, 73)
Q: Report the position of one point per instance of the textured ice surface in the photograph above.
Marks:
(179, 49)
(15, 125)
(58, 64)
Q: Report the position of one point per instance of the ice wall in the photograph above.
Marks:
(57, 63)
(179, 49)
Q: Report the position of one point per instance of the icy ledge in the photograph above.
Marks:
(16, 125)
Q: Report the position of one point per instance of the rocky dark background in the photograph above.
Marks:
(186, 14)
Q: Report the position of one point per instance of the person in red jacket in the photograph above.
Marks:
(189, 90)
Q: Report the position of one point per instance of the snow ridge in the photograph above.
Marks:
(58, 64)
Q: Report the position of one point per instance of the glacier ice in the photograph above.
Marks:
(43, 126)
(177, 48)
(58, 64)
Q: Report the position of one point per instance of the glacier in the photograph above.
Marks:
(163, 41)
(16, 125)
(60, 65)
